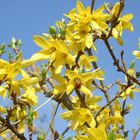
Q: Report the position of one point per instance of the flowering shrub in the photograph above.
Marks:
(70, 76)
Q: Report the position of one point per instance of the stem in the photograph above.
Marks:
(136, 133)
(26, 115)
(6, 122)
(65, 131)
(92, 5)
(103, 86)
(118, 95)
(83, 104)
(116, 63)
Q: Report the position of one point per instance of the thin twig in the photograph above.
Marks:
(118, 95)
(116, 63)
(136, 133)
(83, 104)
(114, 21)
(66, 130)
(27, 115)
(104, 87)
(6, 122)
(92, 5)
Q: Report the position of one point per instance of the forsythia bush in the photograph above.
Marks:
(70, 76)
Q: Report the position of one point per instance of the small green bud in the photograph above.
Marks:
(132, 64)
(52, 30)
(2, 49)
(18, 43)
(12, 43)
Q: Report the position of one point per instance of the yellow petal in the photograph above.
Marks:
(115, 33)
(3, 63)
(80, 7)
(26, 63)
(58, 69)
(89, 41)
(115, 10)
(41, 55)
(120, 41)
(85, 91)
(40, 41)
(127, 17)
(137, 54)
(70, 87)
(24, 74)
(2, 92)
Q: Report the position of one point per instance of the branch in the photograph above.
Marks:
(116, 62)
(92, 5)
(118, 95)
(83, 104)
(136, 133)
(6, 122)
(76, 59)
(104, 87)
(115, 22)
(64, 100)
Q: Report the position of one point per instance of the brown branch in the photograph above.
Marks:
(115, 22)
(82, 100)
(6, 122)
(122, 60)
(76, 59)
(104, 87)
(66, 130)
(92, 5)
(116, 63)
(124, 112)
(136, 133)
(64, 99)
(118, 95)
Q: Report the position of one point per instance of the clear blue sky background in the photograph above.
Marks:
(24, 18)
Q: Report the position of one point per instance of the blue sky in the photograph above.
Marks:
(25, 18)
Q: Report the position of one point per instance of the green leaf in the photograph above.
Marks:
(52, 30)
(18, 43)
(2, 49)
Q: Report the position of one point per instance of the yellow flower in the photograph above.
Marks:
(61, 57)
(54, 50)
(47, 46)
(60, 88)
(79, 117)
(18, 113)
(129, 91)
(137, 54)
(29, 96)
(79, 81)
(11, 70)
(99, 19)
(85, 61)
(123, 23)
(84, 24)
(98, 133)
